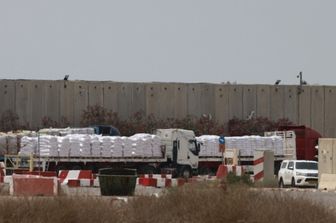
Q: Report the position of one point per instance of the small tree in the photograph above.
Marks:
(257, 126)
(9, 121)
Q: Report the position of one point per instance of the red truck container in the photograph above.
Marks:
(306, 140)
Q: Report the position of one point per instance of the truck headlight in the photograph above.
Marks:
(300, 174)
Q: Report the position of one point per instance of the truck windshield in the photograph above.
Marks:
(192, 147)
(306, 166)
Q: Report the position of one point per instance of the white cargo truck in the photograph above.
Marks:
(179, 155)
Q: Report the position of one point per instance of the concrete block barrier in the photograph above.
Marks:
(30, 185)
(74, 175)
(327, 182)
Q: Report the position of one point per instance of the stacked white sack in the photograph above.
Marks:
(95, 146)
(82, 131)
(75, 145)
(85, 143)
(3, 146)
(106, 146)
(156, 146)
(209, 145)
(28, 145)
(142, 144)
(64, 146)
(67, 131)
(48, 146)
(128, 149)
(246, 145)
(117, 146)
(137, 146)
(278, 144)
(13, 140)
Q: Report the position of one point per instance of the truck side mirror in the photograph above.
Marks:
(198, 148)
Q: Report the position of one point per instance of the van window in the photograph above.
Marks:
(290, 165)
(283, 165)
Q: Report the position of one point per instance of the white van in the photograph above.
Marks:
(298, 173)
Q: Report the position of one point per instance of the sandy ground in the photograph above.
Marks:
(321, 197)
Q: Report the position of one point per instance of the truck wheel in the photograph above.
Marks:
(185, 172)
(59, 168)
(147, 170)
(204, 171)
(281, 184)
(293, 182)
(90, 167)
(77, 167)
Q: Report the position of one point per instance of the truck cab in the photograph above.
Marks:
(182, 150)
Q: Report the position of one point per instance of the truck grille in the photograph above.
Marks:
(312, 175)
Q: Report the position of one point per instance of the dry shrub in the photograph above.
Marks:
(238, 204)
(9, 121)
(255, 126)
(48, 122)
(191, 203)
(58, 209)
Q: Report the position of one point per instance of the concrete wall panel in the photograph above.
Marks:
(263, 101)
(7, 95)
(96, 93)
(37, 103)
(81, 97)
(110, 100)
(249, 100)
(222, 104)
(305, 106)
(125, 99)
(291, 105)
(67, 101)
(181, 100)
(138, 98)
(51, 99)
(34, 99)
(201, 99)
(277, 102)
(317, 109)
(154, 98)
(330, 115)
(236, 101)
(22, 102)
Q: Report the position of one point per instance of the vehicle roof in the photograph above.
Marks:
(301, 161)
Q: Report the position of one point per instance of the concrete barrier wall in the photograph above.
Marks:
(34, 99)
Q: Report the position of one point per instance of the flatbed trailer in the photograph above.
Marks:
(47, 163)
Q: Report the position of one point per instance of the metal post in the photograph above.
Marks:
(31, 163)
(299, 91)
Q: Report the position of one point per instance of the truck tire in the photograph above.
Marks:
(59, 168)
(147, 170)
(293, 182)
(204, 171)
(90, 167)
(281, 184)
(185, 172)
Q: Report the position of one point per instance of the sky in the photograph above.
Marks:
(214, 41)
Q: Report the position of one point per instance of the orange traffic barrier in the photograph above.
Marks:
(222, 171)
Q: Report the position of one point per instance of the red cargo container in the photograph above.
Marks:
(306, 140)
